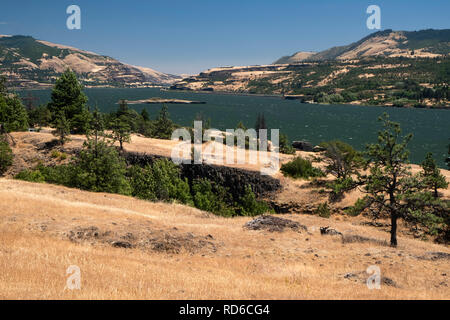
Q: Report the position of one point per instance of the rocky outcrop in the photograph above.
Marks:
(234, 179)
(274, 224)
(302, 145)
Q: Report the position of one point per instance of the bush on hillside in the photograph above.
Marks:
(300, 168)
(159, 181)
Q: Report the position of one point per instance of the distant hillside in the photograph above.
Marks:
(295, 58)
(387, 43)
(28, 62)
(391, 68)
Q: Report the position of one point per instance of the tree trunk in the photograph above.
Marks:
(393, 230)
(121, 144)
(436, 192)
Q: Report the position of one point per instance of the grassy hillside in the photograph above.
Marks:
(431, 41)
(28, 62)
(396, 81)
(178, 252)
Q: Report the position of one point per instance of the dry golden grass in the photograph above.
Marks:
(35, 253)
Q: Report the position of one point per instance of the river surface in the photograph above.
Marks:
(356, 125)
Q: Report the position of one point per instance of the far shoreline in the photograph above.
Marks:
(262, 95)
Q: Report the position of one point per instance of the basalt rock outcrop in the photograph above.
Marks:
(236, 180)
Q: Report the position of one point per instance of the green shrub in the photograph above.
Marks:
(30, 176)
(6, 156)
(159, 181)
(62, 175)
(55, 154)
(323, 210)
(99, 168)
(300, 168)
(249, 206)
(142, 182)
(211, 198)
(285, 146)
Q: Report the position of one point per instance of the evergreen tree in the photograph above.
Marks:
(163, 126)
(13, 116)
(96, 126)
(145, 115)
(432, 176)
(121, 130)
(123, 109)
(390, 186)
(387, 182)
(62, 128)
(40, 116)
(67, 96)
(341, 159)
(99, 168)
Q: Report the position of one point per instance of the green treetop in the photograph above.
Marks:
(68, 97)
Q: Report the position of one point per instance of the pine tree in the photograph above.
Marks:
(68, 97)
(96, 127)
(432, 176)
(62, 128)
(13, 116)
(99, 168)
(341, 159)
(145, 115)
(121, 130)
(123, 109)
(389, 177)
(391, 187)
(163, 126)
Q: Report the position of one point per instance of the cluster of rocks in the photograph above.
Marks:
(159, 241)
(306, 146)
(274, 224)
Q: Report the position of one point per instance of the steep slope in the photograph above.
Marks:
(386, 43)
(29, 62)
(295, 58)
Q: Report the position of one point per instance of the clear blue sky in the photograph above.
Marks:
(182, 36)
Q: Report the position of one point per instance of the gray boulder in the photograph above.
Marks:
(302, 145)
